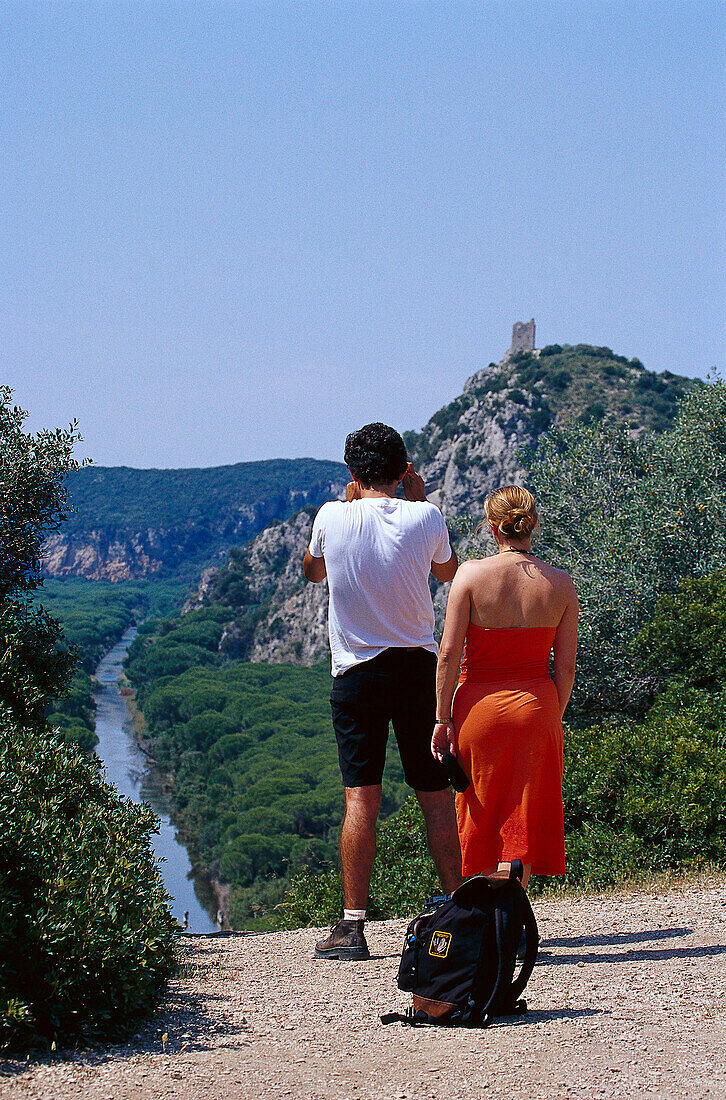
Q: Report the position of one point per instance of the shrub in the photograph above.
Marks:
(311, 900)
(629, 519)
(644, 797)
(404, 874)
(36, 664)
(685, 641)
(86, 936)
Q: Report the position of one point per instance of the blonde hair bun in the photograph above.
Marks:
(512, 510)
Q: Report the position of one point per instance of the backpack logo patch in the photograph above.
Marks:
(440, 944)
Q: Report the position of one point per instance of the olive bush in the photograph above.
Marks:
(629, 517)
(86, 935)
(35, 663)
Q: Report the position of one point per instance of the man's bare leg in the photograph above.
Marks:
(358, 843)
(442, 836)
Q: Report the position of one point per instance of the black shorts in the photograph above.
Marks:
(398, 686)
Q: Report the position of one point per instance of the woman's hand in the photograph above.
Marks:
(352, 491)
(443, 738)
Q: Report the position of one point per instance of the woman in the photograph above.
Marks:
(511, 610)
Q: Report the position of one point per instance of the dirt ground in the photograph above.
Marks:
(627, 999)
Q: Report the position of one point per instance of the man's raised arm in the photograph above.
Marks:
(415, 489)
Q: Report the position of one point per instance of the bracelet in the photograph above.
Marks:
(443, 721)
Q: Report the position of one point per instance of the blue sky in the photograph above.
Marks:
(238, 230)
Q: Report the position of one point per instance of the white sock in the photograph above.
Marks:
(354, 914)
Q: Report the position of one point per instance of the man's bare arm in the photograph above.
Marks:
(314, 568)
(446, 571)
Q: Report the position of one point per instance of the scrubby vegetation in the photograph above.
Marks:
(556, 386)
(641, 524)
(630, 518)
(638, 518)
(170, 523)
(641, 797)
(86, 938)
(116, 498)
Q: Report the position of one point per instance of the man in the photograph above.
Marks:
(376, 551)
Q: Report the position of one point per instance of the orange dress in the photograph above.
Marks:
(509, 740)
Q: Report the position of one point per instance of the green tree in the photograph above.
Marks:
(35, 663)
(630, 516)
(86, 936)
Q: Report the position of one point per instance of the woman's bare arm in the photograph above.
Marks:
(458, 614)
(566, 650)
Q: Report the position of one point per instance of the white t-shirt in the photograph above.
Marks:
(378, 553)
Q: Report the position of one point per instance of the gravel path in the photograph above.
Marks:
(628, 998)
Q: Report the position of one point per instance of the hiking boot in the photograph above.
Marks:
(346, 941)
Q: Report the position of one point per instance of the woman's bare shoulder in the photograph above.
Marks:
(560, 577)
(474, 567)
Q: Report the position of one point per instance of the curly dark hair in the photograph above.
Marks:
(376, 454)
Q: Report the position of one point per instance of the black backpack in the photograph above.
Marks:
(459, 958)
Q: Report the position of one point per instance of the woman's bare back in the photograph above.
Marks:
(515, 589)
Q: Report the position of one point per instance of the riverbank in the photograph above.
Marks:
(627, 998)
(135, 775)
(204, 875)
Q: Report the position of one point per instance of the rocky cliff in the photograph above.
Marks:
(137, 523)
(465, 450)
(275, 615)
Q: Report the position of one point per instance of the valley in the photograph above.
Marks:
(231, 672)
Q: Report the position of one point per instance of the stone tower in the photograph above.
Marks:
(522, 337)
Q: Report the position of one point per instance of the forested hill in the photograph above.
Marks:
(135, 523)
(465, 450)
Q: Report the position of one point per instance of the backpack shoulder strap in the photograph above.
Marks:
(471, 1012)
(531, 949)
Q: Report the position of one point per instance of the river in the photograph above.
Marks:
(129, 770)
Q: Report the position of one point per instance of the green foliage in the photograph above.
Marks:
(183, 518)
(311, 900)
(404, 874)
(644, 796)
(257, 784)
(684, 644)
(403, 877)
(639, 797)
(33, 502)
(638, 521)
(92, 616)
(34, 663)
(86, 937)
(629, 518)
(188, 498)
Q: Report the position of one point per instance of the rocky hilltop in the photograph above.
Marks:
(467, 448)
(130, 523)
